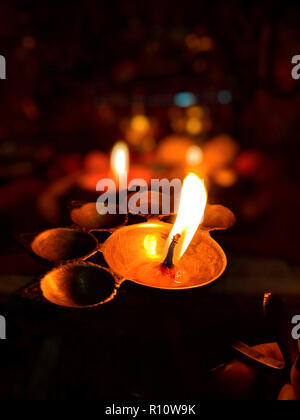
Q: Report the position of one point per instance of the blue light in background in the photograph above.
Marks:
(184, 99)
(224, 97)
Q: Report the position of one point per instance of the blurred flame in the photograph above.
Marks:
(194, 125)
(191, 210)
(119, 158)
(194, 155)
(195, 111)
(140, 123)
(197, 44)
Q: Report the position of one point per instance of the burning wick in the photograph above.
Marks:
(168, 262)
(190, 214)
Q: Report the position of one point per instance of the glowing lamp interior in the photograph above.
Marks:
(119, 158)
(190, 214)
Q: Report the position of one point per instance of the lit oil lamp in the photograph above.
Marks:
(154, 254)
(86, 215)
(160, 255)
(120, 171)
(119, 162)
(121, 167)
(118, 179)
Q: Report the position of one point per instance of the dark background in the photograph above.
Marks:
(74, 71)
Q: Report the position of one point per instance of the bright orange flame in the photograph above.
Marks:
(190, 214)
(119, 158)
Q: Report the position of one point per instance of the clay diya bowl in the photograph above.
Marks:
(136, 252)
(62, 244)
(78, 285)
